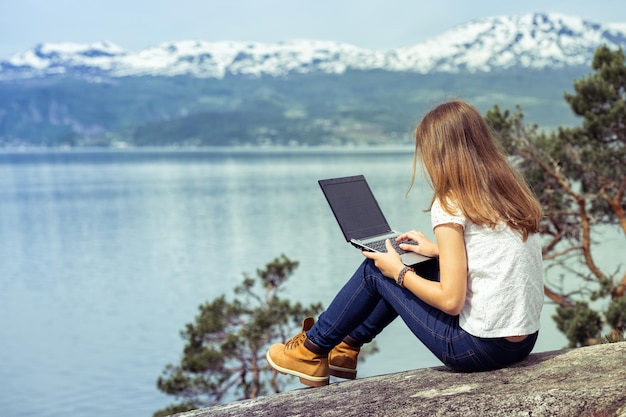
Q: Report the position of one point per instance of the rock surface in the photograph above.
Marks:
(586, 382)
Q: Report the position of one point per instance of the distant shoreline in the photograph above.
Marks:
(212, 149)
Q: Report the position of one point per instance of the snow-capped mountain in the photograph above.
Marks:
(530, 41)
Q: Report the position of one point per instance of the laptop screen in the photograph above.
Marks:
(355, 207)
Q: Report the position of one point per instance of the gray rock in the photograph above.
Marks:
(587, 382)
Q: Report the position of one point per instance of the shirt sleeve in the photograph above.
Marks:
(438, 216)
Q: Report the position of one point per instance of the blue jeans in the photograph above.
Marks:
(369, 302)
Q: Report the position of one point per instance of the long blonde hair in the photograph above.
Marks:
(468, 170)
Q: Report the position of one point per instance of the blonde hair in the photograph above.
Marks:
(468, 170)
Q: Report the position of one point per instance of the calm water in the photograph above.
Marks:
(106, 255)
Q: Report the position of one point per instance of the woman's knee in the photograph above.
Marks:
(370, 269)
(374, 279)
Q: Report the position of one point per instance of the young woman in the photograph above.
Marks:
(483, 312)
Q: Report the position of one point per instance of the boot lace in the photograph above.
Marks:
(296, 341)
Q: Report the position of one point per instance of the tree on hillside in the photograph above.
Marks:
(224, 353)
(579, 176)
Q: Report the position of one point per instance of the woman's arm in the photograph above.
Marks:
(423, 245)
(448, 295)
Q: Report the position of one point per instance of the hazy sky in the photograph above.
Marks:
(375, 24)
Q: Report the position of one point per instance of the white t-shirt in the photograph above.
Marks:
(505, 278)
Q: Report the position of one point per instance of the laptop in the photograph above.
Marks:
(360, 218)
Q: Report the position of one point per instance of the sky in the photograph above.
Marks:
(372, 24)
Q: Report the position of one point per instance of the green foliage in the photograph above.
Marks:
(600, 143)
(616, 313)
(579, 323)
(579, 176)
(356, 107)
(224, 352)
(174, 409)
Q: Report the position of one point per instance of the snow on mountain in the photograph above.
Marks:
(537, 41)
(216, 59)
(529, 41)
(55, 57)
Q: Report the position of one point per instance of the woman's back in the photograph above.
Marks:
(504, 278)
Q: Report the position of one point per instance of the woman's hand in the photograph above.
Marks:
(389, 263)
(424, 246)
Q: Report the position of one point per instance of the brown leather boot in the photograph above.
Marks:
(294, 358)
(342, 360)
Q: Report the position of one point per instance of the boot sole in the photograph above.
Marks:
(345, 373)
(310, 380)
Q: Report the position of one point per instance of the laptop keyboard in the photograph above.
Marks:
(380, 245)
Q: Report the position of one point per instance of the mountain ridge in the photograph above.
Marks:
(358, 107)
(533, 41)
(299, 92)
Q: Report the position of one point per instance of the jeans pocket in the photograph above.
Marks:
(466, 361)
(499, 352)
(514, 351)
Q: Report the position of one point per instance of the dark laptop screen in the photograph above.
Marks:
(355, 207)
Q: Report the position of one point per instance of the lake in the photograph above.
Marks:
(106, 255)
